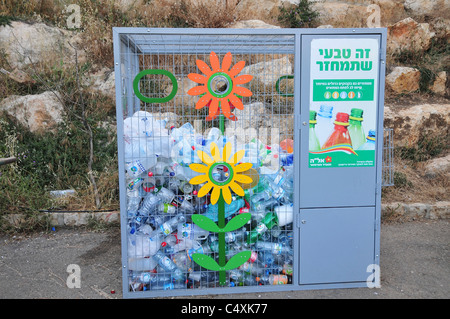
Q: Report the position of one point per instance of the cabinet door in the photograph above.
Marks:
(336, 244)
(341, 173)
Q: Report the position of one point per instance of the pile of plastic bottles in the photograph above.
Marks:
(160, 203)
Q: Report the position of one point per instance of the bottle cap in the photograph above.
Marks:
(150, 174)
(312, 117)
(325, 111)
(342, 119)
(356, 114)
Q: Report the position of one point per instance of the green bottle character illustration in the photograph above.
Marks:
(314, 144)
(355, 128)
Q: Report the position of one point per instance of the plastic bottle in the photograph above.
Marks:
(148, 184)
(340, 134)
(168, 286)
(355, 128)
(168, 265)
(164, 208)
(134, 183)
(269, 220)
(212, 211)
(370, 141)
(314, 144)
(324, 125)
(274, 248)
(133, 201)
(191, 231)
(140, 264)
(143, 245)
(275, 280)
(230, 237)
(150, 204)
(171, 225)
(265, 205)
(139, 166)
(182, 261)
(256, 269)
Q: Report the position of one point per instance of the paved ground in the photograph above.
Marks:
(415, 263)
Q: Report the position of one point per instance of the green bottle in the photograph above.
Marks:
(269, 220)
(314, 144)
(355, 128)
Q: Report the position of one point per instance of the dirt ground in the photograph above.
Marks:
(415, 263)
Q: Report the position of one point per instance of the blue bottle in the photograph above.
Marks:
(212, 212)
(370, 142)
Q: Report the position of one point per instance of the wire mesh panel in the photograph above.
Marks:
(388, 157)
(208, 148)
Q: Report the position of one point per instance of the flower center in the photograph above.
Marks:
(220, 85)
(221, 173)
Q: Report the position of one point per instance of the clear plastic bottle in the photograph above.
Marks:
(133, 201)
(164, 208)
(171, 225)
(324, 125)
(139, 166)
(355, 128)
(191, 231)
(182, 261)
(274, 248)
(269, 220)
(150, 204)
(140, 246)
(168, 265)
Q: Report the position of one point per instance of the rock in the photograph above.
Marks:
(427, 7)
(439, 85)
(415, 211)
(102, 81)
(436, 166)
(355, 14)
(39, 112)
(264, 10)
(408, 35)
(441, 27)
(268, 73)
(403, 79)
(253, 24)
(410, 123)
(25, 44)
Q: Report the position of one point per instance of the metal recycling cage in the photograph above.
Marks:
(255, 149)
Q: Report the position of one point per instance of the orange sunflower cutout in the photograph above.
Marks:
(219, 86)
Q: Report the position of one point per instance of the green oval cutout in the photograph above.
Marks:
(155, 99)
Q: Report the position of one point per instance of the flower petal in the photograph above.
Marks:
(244, 179)
(199, 168)
(205, 189)
(199, 179)
(242, 79)
(226, 195)
(226, 62)
(226, 152)
(215, 152)
(242, 167)
(201, 103)
(215, 195)
(215, 63)
(236, 158)
(239, 90)
(197, 90)
(225, 106)
(236, 101)
(203, 67)
(237, 189)
(204, 157)
(236, 68)
(198, 78)
(213, 109)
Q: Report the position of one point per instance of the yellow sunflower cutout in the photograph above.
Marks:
(221, 173)
(219, 86)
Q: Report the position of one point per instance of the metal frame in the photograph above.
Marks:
(137, 36)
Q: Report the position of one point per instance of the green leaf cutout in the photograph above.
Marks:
(206, 262)
(237, 222)
(205, 223)
(238, 259)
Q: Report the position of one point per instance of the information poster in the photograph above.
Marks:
(343, 102)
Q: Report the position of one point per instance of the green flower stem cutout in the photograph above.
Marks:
(221, 173)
